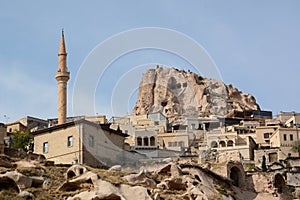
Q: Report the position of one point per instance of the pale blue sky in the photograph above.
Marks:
(255, 45)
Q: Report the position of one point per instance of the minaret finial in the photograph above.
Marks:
(62, 48)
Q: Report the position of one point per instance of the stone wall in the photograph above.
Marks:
(107, 147)
(258, 155)
(293, 179)
(58, 149)
(294, 162)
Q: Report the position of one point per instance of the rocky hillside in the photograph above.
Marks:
(167, 180)
(176, 93)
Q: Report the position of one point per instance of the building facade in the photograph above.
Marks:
(83, 142)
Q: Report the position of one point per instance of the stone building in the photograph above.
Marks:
(275, 140)
(284, 117)
(83, 142)
(263, 134)
(188, 133)
(141, 129)
(232, 142)
(15, 126)
(238, 138)
(284, 138)
(27, 122)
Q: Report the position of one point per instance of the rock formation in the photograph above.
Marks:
(178, 93)
(161, 180)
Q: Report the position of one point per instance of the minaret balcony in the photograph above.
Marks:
(62, 76)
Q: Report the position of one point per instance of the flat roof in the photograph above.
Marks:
(73, 123)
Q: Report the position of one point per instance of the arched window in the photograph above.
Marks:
(139, 141)
(213, 144)
(152, 141)
(146, 141)
(222, 144)
(230, 143)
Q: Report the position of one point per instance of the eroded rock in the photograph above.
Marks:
(7, 183)
(75, 170)
(23, 163)
(115, 168)
(21, 180)
(141, 178)
(175, 171)
(26, 195)
(87, 180)
(176, 92)
(6, 162)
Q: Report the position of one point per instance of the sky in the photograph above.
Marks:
(254, 45)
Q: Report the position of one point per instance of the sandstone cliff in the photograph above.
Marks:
(178, 93)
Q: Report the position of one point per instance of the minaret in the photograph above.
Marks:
(62, 77)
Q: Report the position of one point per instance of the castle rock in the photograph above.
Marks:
(177, 93)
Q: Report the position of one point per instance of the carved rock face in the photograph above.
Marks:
(176, 92)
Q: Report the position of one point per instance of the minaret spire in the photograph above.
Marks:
(62, 47)
(62, 77)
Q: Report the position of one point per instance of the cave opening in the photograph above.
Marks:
(236, 176)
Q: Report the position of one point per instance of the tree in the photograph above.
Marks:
(22, 140)
(296, 147)
(263, 164)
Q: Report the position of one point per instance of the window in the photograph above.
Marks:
(91, 141)
(146, 141)
(139, 141)
(176, 144)
(291, 137)
(230, 143)
(152, 141)
(70, 141)
(45, 147)
(181, 144)
(273, 157)
(266, 135)
(193, 126)
(222, 144)
(200, 127)
(284, 137)
(196, 145)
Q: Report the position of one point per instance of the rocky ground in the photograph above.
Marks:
(167, 180)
